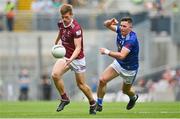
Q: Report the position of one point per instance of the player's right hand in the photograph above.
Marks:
(67, 63)
(114, 21)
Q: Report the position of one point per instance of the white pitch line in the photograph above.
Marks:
(163, 112)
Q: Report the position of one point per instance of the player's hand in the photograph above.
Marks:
(60, 44)
(114, 21)
(104, 51)
(67, 63)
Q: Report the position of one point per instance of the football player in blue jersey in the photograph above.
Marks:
(125, 62)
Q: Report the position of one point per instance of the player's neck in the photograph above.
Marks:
(68, 24)
(124, 36)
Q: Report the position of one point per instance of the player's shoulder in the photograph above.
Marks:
(75, 24)
(133, 35)
(76, 28)
(60, 23)
(131, 38)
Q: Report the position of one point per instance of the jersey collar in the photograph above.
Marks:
(68, 24)
(126, 37)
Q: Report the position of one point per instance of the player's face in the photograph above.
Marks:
(67, 18)
(125, 28)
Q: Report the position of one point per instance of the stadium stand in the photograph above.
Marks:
(24, 4)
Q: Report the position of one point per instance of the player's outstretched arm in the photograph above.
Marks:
(111, 24)
(119, 55)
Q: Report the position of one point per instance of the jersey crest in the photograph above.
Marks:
(78, 32)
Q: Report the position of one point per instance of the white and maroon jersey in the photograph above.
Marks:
(68, 34)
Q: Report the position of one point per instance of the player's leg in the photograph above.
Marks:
(127, 89)
(105, 77)
(80, 80)
(57, 73)
(79, 67)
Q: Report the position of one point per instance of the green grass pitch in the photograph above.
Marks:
(43, 109)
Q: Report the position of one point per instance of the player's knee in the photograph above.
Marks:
(55, 76)
(102, 81)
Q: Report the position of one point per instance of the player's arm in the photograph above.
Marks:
(58, 39)
(77, 43)
(111, 24)
(119, 55)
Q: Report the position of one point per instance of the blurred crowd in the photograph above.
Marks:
(162, 7)
(166, 87)
(25, 87)
(10, 9)
(53, 5)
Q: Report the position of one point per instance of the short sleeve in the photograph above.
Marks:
(129, 44)
(117, 29)
(59, 24)
(77, 32)
(130, 41)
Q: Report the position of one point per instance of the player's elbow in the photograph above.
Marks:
(78, 49)
(121, 57)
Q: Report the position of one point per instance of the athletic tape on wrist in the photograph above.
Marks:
(106, 51)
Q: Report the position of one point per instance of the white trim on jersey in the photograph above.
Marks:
(126, 48)
(68, 24)
(116, 27)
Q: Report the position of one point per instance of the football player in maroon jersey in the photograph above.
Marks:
(71, 37)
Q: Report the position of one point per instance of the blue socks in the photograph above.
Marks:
(99, 101)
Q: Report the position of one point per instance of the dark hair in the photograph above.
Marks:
(45, 76)
(66, 8)
(128, 19)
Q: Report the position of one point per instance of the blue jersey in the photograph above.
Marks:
(131, 43)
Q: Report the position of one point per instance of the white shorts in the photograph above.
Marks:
(78, 65)
(127, 75)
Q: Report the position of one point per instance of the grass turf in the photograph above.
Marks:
(42, 109)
